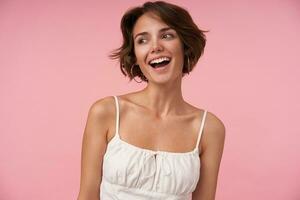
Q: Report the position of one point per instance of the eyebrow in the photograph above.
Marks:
(161, 30)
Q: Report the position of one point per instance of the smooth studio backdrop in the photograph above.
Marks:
(54, 64)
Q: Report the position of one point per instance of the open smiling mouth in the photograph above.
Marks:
(161, 62)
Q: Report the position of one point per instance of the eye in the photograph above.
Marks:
(168, 35)
(141, 41)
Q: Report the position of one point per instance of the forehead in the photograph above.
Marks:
(147, 22)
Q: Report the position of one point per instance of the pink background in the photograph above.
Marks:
(54, 65)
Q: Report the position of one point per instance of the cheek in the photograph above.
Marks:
(176, 47)
(179, 52)
(140, 52)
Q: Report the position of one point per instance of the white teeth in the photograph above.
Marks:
(159, 60)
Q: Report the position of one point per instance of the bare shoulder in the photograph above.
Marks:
(103, 107)
(214, 124)
(214, 130)
(102, 112)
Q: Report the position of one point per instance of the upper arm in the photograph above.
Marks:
(212, 143)
(93, 149)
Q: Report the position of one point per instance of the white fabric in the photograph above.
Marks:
(134, 173)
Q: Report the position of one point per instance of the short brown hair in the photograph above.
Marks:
(177, 18)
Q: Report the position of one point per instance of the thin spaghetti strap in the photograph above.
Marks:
(201, 129)
(117, 116)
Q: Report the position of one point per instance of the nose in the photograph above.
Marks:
(156, 47)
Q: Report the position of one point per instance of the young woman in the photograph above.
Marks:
(152, 144)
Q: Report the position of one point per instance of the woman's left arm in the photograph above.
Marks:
(212, 144)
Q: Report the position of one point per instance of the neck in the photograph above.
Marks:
(164, 99)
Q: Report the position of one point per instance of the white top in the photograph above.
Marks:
(134, 173)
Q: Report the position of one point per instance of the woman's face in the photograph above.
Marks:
(158, 49)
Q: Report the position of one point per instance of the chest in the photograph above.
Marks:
(173, 134)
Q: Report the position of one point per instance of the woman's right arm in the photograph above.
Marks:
(93, 149)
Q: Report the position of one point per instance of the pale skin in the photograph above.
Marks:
(159, 117)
